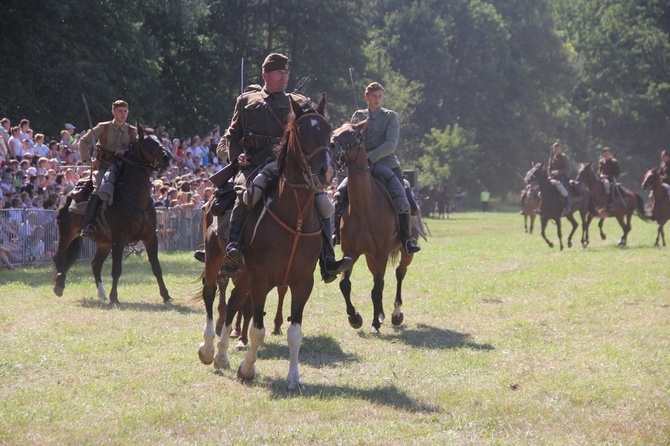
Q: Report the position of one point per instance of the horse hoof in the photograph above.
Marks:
(551, 245)
(569, 244)
(168, 300)
(356, 321)
(206, 357)
(58, 290)
(221, 362)
(234, 334)
(374, 330)
(276, 332)
(241, 345)
(396, 320)
(243, 378)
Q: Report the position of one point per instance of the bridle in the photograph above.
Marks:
(341, 148)
(147, 159)
(304, 159)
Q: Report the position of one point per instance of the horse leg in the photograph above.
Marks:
(355, 319)
(575, 225)
(101, 253)
(243, 338)
(603, 236)
(625, 225)
(206, 350)
(117, 267)
(377, 266)
(525, 223)
(151, 245)
(532, 222)
(559, 232)
(544, 221)
(397, 317)
(299, 296)
(279, 316)
(69, 245)
(662, 233)
(247, 370)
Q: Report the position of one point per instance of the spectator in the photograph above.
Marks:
(71, 130)
(26, 131)
(53, 149)
(65, 139)
(15, 145)
(5, 129)
(7, 185)
(485, 197)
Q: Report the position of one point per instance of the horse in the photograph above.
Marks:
(131, 218)
(281, 241)
(530, 201)
(369, 207)
(552, 206)
(624, 204)
(660, 204)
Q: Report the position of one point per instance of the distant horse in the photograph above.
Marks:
(625, 202)
(368, 227)
(428, 200)
(131, 218)
(660, 204)
(552, 206)
(530, 201)
(281, 240)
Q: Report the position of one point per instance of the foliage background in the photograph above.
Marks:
(482, 87)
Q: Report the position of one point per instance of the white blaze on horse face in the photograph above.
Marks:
(314, 122)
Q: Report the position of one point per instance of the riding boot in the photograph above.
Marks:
(406, 236)
(330, 267)
(566, 206)
(199, 254)
(233, 252)
(88, 230)
(337, 216)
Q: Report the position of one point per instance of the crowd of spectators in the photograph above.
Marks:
(38, 175)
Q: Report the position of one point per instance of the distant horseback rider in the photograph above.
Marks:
(380, 135)
(608, 171)
(112, 140)
(559, 169)
(664, 171)
(257, 126)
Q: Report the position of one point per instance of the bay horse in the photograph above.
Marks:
(530, 201)
(130, 218)
(368, 227)
(281, 241)
(660, 204)
(624, 204)
(552, 206)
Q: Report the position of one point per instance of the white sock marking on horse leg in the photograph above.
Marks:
(206, 350)
(294, 338)
(102, 294)
(256, 337)
(221, 360)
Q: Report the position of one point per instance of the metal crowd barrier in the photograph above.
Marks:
(30, 236)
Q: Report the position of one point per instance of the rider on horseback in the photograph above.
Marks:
(257, 125)
(380, 136)
(664, 170)
(608, 171)
(112, 140)
(559, 168)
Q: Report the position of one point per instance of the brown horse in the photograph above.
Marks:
(530, 201)
(368, 227)
(660, 204)
(281, 240)
(552, 206)
(623, 205)
(131, 218)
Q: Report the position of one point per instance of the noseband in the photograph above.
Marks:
(342, 148)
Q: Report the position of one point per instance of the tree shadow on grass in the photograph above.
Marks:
(388, 395)
(426, 336)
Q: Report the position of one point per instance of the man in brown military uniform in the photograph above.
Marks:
(257, 125)
(559, 169)
(112, 140)
(608, 171)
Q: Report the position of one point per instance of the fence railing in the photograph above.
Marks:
(31, 235)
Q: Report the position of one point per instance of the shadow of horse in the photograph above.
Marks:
(137, 306)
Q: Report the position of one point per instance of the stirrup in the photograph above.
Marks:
(88, 231)
(411, 247)
(199, 255)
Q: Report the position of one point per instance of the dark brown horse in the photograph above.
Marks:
(530, 201)
(281, 240)
(660, 204)
(623, 205)
(552, 206)
(131, 218)
(368, 227)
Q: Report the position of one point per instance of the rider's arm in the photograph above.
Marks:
(391, 136)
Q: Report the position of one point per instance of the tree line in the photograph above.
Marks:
(482, 87)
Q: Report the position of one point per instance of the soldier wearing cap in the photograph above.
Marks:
(112, 140)
(559, 171)
(259, 119)
(608, 171)
(380, 135)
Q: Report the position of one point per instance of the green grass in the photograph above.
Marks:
(505, 341)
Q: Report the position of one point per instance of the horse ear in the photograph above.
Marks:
(321, 107)
(140, 129)
(360, 125)
(297, 110)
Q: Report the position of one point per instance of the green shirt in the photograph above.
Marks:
(381, 134)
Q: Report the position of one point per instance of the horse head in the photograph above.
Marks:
(346, 144)
(535, 174)
(147, 150)
(651, 178)
(305, 143)
(586, 174)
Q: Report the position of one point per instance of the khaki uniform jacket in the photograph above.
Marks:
(381, 134)
(561, 164)
(116, 138)
(257, 125)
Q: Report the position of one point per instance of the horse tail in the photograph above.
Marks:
(640, 209)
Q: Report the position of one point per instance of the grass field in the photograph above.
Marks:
(505, 341)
